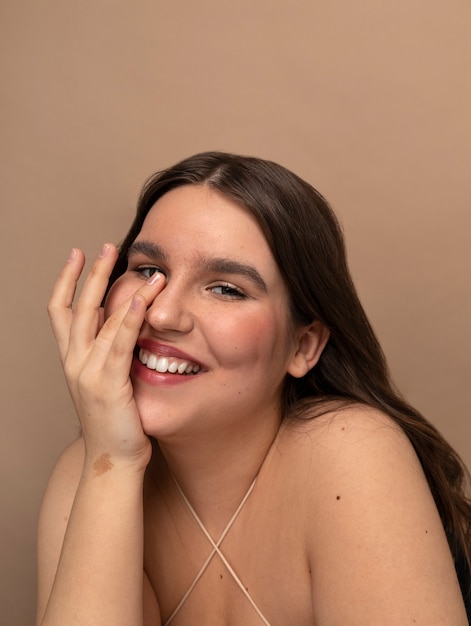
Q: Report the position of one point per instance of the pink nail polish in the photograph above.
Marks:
(154, 278)
(72, 255)
(104, 250)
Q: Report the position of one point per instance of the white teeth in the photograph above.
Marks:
(151, 362)
(164, 364)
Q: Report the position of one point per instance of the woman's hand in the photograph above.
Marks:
(96, 355)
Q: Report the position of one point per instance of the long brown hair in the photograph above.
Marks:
(307, 243)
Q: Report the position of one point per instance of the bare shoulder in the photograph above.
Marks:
(359, 454)
(351, 422)
(355, 435)
(54, 515)
(376, 545)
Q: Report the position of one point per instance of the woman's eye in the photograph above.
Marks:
(147, 272)
(228, 291)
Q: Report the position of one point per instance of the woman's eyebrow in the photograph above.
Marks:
(231, 266)
(148, 249)
(214, 264)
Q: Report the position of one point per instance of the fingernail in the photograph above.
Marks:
(154, 278)
(72, 255)
(105, 249)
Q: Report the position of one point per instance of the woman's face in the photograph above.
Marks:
(222, 317)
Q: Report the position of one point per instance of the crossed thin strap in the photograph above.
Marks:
(214, 551)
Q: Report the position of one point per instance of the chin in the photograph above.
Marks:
(156, 420)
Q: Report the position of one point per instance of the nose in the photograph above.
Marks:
(170, 311)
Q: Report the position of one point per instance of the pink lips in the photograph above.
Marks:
(162, 349)
(152, 377)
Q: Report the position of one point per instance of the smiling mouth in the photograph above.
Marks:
(167, 365)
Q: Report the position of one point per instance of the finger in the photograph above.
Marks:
(86, 319)
(148, 290)
(147, 294)
(116, 354)
(60, 303)
(117, 339)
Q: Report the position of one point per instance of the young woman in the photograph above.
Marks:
(244, 458)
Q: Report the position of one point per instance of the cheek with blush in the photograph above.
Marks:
(252, 340)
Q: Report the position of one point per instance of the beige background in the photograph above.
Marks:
(367, 100)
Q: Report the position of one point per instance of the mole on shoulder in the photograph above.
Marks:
(338, 498)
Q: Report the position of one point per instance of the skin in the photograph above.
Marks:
(237, 328)
(340, 527)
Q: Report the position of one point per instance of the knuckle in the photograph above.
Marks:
(52, 309)
(96, 270)
(119, 352)
(139, 297)
(81, 307)
(112, 324)
(70, 369)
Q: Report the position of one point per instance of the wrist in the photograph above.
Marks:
(102, 464)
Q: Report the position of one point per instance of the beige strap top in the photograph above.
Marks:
(217, 551)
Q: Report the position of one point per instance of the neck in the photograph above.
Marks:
(215, 473)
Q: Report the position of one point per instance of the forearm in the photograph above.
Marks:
(99, 576)
(100, 571)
